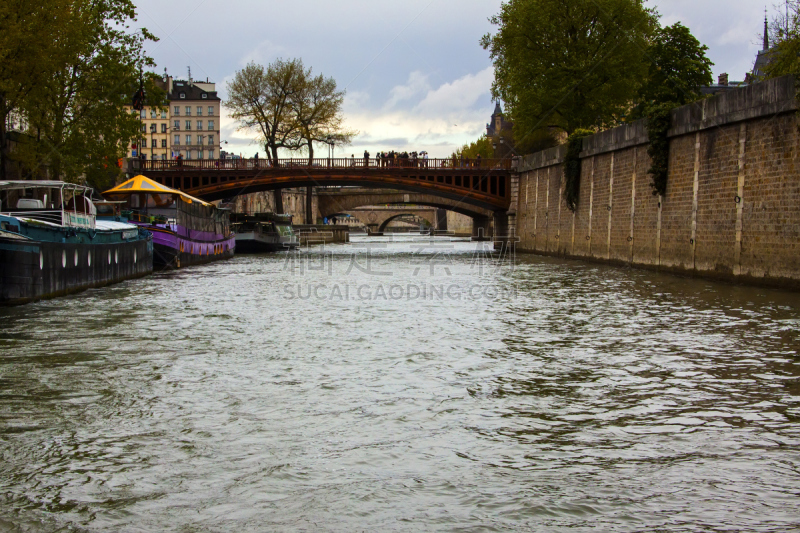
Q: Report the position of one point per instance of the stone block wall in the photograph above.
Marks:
(732, 204)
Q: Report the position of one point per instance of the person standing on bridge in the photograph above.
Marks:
(366, 159)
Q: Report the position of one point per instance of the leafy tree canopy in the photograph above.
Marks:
(678, 69)
(86, 67)
(569, 64)
(784, 34)
(482, 147)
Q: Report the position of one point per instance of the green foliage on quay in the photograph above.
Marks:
(67, 70)
(678, 70)
(561, 65)
(572, 167)
(570, 65)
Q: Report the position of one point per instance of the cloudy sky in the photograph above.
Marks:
(416, 77)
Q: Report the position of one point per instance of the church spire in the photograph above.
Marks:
(766, 31)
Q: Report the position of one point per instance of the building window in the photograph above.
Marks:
(143, 113)
(188, 124)
(152, 112)
(183, 95)
(199, 124)
(152, 128)
(200, 140)
(191, 154)
(199, 111)
(176, 110)
(188, 111)
(164, 114)
(204, 95)
(211, 140)
(210, 125)
(176, 124)
(188, 139)
(177, 140)
(211, 111)
(144, 128)
(211, 154)
(164, 156)
(154, 143)
(164, 128)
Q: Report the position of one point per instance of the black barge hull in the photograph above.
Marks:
(32, 270)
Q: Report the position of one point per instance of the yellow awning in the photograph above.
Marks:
(141, 184)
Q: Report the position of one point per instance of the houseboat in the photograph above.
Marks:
(186, 230)
(263, 232)
(52, 243)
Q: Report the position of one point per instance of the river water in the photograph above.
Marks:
(402, 385)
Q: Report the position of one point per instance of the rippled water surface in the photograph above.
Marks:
(402, 386)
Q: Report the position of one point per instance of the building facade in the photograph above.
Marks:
(187, 125)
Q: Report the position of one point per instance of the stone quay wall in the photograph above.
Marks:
(732, 203)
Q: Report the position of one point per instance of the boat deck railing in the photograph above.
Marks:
(51, 216)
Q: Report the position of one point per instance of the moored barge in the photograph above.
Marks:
(186, 230)
(263, 232)
(52, 244)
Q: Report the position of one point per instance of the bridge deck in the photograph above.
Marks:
(482, 183)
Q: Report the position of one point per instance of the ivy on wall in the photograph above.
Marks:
(658, 122)
(572, 167)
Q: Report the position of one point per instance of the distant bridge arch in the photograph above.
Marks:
(344, 199)
(382, 227)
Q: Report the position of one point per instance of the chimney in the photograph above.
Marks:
(723, 79)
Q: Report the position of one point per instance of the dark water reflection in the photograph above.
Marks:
(546, 395)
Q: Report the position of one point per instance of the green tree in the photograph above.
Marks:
(27, 55)
(77, 124)
(568, 64)
(482, 147)
(678, 69)
(784, 37)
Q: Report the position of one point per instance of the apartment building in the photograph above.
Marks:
(154, 140)
(189, 124)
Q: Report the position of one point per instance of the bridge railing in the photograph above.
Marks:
(318, 164)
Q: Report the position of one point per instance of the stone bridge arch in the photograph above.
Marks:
(332, 200)
(389, 219)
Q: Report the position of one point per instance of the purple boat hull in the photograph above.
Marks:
(176, 247)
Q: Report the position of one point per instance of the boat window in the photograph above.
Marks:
(161, 200)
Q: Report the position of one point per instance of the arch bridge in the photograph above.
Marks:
(334, 200)
(482, 184)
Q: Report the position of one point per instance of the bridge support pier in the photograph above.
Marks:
(309, 205)
(481, 228)
(441, 220)
(506, 223)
